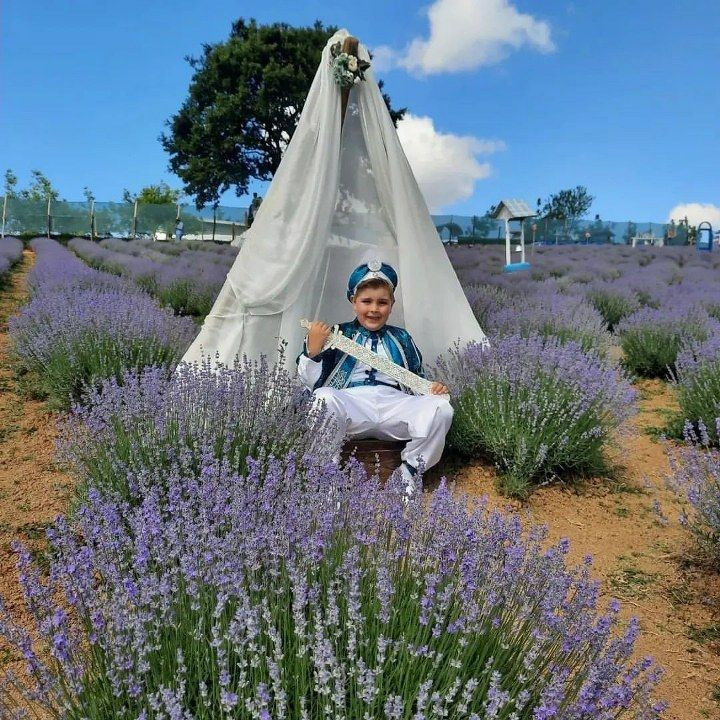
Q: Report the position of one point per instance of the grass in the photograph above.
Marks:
(632, 582)
(704, 635)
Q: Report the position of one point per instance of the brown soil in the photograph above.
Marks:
(648, 564)
(33, 491)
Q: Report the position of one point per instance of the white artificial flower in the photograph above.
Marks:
(352, 63)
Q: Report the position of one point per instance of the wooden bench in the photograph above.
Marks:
(371, 453)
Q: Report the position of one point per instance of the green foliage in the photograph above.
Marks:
(480, 226)
(630, 232)
(698, 394)
(160, 194)
(568, 205)
(185, 297)
(650, 351)
(651, 345)
(492, 420)
(10, 183)
(612, 306)
(243, 104)
(91, 358)
(40, 189)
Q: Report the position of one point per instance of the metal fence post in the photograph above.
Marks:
(214, 221)
(4, 214)
(92, 220)
(49, 218)
(134, 224)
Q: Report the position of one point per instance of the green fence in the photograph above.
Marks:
(103, 219)
(484, 230)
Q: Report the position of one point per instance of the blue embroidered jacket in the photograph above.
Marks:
(337, 366)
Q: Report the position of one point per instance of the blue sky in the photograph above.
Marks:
(622, 97)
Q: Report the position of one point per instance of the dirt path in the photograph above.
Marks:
(32, 489)
(643, 559)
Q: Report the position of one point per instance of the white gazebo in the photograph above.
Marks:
(510, 211)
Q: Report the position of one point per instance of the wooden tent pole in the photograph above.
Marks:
(350, 46)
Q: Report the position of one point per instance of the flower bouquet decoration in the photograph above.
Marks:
(348, 70)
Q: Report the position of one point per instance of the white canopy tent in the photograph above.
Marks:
(343, 194)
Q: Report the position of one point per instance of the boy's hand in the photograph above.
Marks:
(437, 388)
(316, 338)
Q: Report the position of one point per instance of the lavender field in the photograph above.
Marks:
(216, 562)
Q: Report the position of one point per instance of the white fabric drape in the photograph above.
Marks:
(340, 197)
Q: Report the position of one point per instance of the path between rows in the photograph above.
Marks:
(33, 491)
(641, 560)
(645, 563)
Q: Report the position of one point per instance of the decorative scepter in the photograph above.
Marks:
(419, 385)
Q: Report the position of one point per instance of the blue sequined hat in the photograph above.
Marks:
(373, 270)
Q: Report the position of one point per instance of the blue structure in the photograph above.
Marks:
(514, 267)
(704, 241)
(513, 210)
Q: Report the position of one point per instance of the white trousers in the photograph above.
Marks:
(381, 412)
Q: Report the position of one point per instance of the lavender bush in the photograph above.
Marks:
(74, 334)
(696, 475)
(303, 591)
(612, 303)
(552, 314)
(697, 381)
(145, 420)
(536, 407)
(10, 254)
(652, 338)
(185, 277)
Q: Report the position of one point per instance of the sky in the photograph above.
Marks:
(505, 98)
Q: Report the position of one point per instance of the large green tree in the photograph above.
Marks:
(243, 104)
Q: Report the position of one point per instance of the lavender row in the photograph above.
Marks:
(147, 419)
(301, 590)
(537, 407)
(82, 326)
(188, 280)
(10, 254)
(696, 476)
(582, 293)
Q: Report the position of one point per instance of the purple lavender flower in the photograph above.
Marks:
(696, 477)
(149, 419)
(652, 338)
(82, 326)
(536, 407)
(697, 381)
(10, 254)
(185, 277)
(227, 595)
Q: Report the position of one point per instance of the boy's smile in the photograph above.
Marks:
(373, 306)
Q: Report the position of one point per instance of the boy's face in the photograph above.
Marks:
(372, 306)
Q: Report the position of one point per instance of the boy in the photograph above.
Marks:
(365, 402)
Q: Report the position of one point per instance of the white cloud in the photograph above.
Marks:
(696, 213)
(445, 165)
(465, 34)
